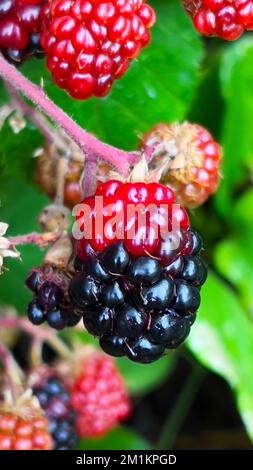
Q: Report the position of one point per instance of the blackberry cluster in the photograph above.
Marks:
(51, 302)
(227, 19)
(20, 26)
(56, 403)
(90, 44)
(140, 305)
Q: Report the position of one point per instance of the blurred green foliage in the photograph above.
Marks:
(180, 76)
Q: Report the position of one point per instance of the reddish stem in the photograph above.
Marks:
(89, 178)
(5, 356)
(40, 334)
(90, 145)
(13, 372)
(39, 239)
(28, 111)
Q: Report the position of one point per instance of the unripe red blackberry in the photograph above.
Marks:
(190, 159)
(23, 425)
(227, 19)
(20, 27)
(51, 302)
(99, 397)
(90, 44)
(55, 400)
(133, 285)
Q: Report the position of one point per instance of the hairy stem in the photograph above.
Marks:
(41, 334)
(39, 239)
(88, 182)
(26, 110)
(13, 372)
(90, 145)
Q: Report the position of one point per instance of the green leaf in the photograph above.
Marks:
(222, 340)
(143, 378)
(233, 261)
(242, 215)
(4, 97)
(20, 206)
(16, 150)
(236, 81)
(118, 439)
(159, 86)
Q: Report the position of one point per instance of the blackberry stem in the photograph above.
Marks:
(26, 110)
(41, 334)
(90, 145)
(89, 178)
(181, 408)
(34, 238)
(36, 353)
(12, 370)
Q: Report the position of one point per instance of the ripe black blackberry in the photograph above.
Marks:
(51, 301)
(56, 403)
(140, 305)
(20, 26)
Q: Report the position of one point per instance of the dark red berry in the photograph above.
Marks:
(89, 44)
(20, 26)
(227, 19)
(142, 236)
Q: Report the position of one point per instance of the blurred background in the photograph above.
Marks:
(200, 397)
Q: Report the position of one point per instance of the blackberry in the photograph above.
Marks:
(50, 295)
(226, 19)
(99, 396)
(115, 259)
(98, 322)
(20, 26)
(144, 270)
(35, 313)
(56, 403)
(139, 306)
(51, 302)
(83, 291)
(144, 351)
(90, 44)
(138, 295)
(195, 176)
